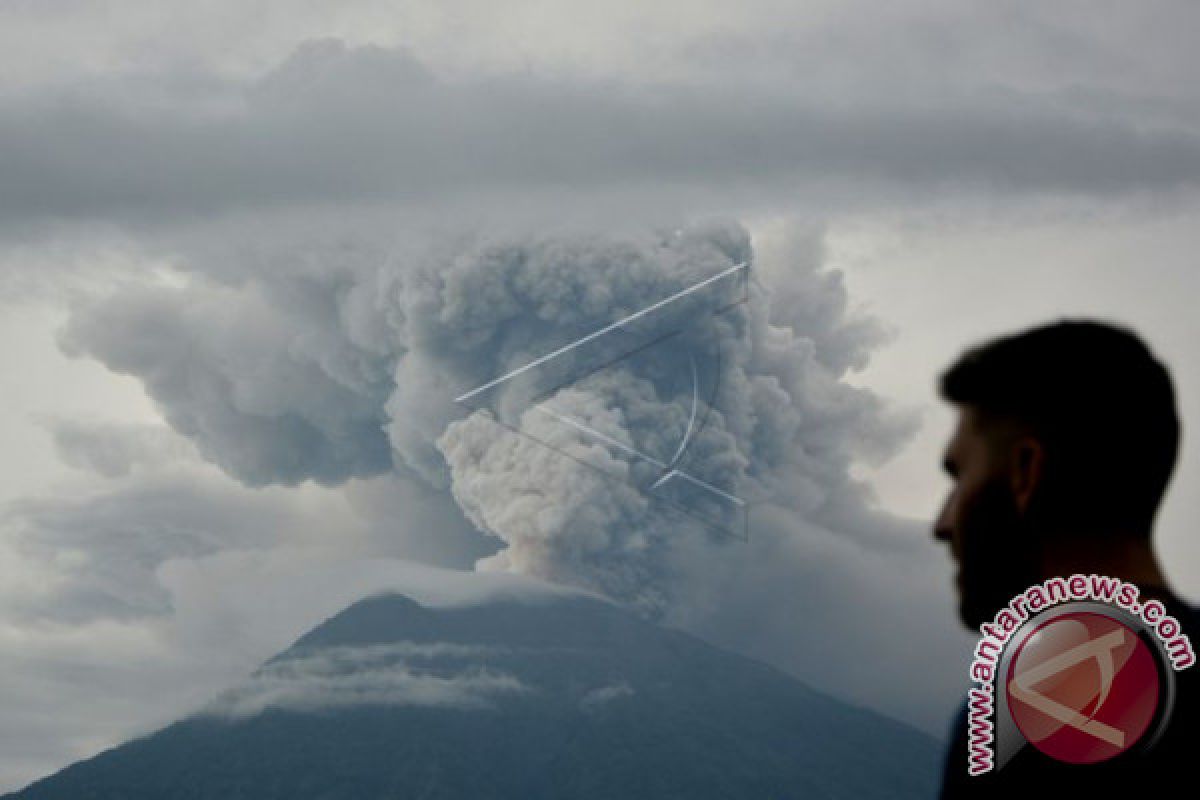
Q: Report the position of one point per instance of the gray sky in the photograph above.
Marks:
(195, 205)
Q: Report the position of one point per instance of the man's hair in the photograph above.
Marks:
(1101, 404)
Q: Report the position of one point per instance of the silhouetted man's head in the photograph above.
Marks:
(1065, 432)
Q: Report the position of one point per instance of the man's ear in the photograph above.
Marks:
(1028, 465)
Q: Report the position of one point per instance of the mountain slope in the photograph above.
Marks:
(564, 697)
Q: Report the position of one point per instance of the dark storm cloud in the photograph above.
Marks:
(337, 124)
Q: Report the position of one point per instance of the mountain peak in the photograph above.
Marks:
(503, 620)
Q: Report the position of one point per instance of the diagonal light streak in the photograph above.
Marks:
(616, 443)
(594, 334)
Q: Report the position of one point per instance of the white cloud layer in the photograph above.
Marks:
(370, 675)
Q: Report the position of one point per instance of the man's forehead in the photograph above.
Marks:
(974, 421)
(978, 428)
(966, 427)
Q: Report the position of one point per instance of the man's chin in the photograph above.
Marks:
(985, 599)
(973, 612)
(970, 616)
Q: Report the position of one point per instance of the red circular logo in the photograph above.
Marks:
(1083, 687)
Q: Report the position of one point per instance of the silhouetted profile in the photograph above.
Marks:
(1066, 439)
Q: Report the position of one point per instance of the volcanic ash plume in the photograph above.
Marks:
(587, 468)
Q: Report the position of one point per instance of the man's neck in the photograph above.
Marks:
(1130, 558)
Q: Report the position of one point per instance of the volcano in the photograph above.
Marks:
(516, 697)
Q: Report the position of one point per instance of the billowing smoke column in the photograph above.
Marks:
(335, 370)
